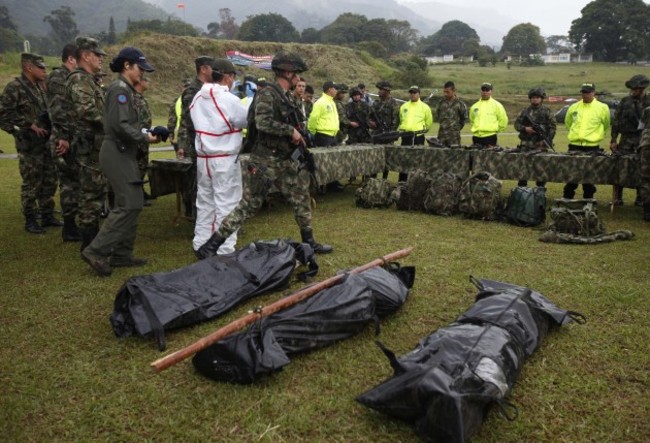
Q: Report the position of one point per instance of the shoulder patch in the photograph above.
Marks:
(122, 99)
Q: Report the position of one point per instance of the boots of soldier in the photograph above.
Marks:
(618, 201)
(210, 248)
(32, 226)
(70, 231)
(308, 237)
(88, 234)
(49, 220)
(646, 211)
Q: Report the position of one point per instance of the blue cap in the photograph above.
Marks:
(135, 55)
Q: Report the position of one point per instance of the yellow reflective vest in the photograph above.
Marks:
(415, 116)
(324, 118)
(488, 117)
(587, 123)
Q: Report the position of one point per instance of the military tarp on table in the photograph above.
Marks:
(338, 162)
(406, 158)
(559, 167)
(167, 175)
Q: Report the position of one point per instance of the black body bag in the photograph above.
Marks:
(331, 315)
(152, 304)
(446, 385)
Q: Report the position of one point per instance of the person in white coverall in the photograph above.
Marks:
(218, 117)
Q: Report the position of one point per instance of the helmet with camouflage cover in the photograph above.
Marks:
(537, 92)
(288, 61)
(341, 87)
(383, 84)
(355, 91)
(638, 81)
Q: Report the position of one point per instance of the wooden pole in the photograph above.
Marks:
(169, 360)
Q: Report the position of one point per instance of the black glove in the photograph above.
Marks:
(160, 131)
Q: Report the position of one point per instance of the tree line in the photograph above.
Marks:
(611, 30)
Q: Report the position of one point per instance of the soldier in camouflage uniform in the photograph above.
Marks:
(644, 163)
(144, 114)
(67, 167)
(23, 114)
(308, 100)
(185, 136)
(384, 112)
(452, 115)
(271, 161)
(358, 113)
(86, 98)
(535, 116)
(626, 122)
(174, 115)
(344, 122)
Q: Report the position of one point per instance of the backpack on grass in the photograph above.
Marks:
(441, 197)
(375, 193)
(526, 206)
(411, 197)
(576, 216)
(480, 197)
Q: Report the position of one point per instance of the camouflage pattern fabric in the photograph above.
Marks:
(452, 115)
(375, 193)
(66, 166)
(441, 198)
(21, 104)
(411, 197)
(186, 133)
(576, 217)
(402, 158)
(145, 118)
(480, 197)
(556, 167)
(644, 158)
(344, 122)
(166, 174)
(358, 112)
(540, 115)
(338, 162)
(558, 237)
(385, 113)
(626, 123)
(86, 99)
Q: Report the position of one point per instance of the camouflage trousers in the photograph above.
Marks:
(94, 189)
(189, 190)
(358, 135)
(143, 159)
(38, 173)
(644, 172)
(67, 169)
(263, 173)
(449, 137)
(629, 143)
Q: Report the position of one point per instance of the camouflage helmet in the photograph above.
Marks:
(537, 92)
(288, 61)
(355, 91)
(341, 87)
(638, 81)
(383, 84)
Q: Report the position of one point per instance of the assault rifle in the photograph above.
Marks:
(391, 136)
(541, 131)
(302, 153)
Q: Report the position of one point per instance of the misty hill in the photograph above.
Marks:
(301, 13)
(91, 16)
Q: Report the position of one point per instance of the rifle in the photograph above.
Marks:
(354, 116)
(541, 131)
(394, 135)
(301, 153)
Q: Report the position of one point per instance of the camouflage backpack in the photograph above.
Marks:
(411, 197)
(442, 196)
(526, 206)
(375, 193)
(480, 197)
(576, 216)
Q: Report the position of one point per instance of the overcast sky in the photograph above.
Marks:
(553, 17)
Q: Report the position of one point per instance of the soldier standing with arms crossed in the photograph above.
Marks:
(452, 115)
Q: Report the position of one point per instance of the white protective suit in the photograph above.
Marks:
(218, 117)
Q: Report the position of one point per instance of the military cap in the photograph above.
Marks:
(136, 56)
(414, 88)
(588, 87)
(537, 92)
(638, 81)
(89, 44)
(487, 86)
(355, 91)
(34, 59)
(341, 87)
(328, 85)
(288, 61)
(383, 84)
(224, 66)
(203, 60)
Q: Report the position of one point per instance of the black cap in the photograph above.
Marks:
(414, 88)
(135, 55)
(588, 87)
(487, 86)
(328, 85)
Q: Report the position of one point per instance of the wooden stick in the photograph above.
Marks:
(169, 360)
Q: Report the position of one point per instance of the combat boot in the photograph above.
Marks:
(49, 220)
(88, 235)
(210, 248)
(308, 237)
(70, 231)
(32, 226)
(646, 211)
(97, 262)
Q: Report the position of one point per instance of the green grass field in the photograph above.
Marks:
(65, 377)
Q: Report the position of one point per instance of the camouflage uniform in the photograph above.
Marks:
(540, 115)
(185, 140)
(21, 104)
(358, 112)
(144, 115)
(626, 123)
(87, 107)
(644, 166)
(344, 122)
(385, 113)
(308, 107)
(452, 115)
(66, 165)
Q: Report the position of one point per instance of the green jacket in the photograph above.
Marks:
(587, 123)
(415, 116)
(324, 117)
(86, 98)
(488, 117)
(57, 104)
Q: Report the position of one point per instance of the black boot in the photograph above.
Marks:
(308, 237)
(32, 226)
(70, 231)
(646, 211)
(210, 248)
(87, 235)
(49, 220)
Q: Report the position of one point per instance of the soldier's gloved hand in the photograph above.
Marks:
(161, 132)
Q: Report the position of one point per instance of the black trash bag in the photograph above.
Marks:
(152, 304)
(333, 314)
(446, 385)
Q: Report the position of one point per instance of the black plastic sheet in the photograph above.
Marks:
(334, 314)
(446, 385)
(152, 304)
